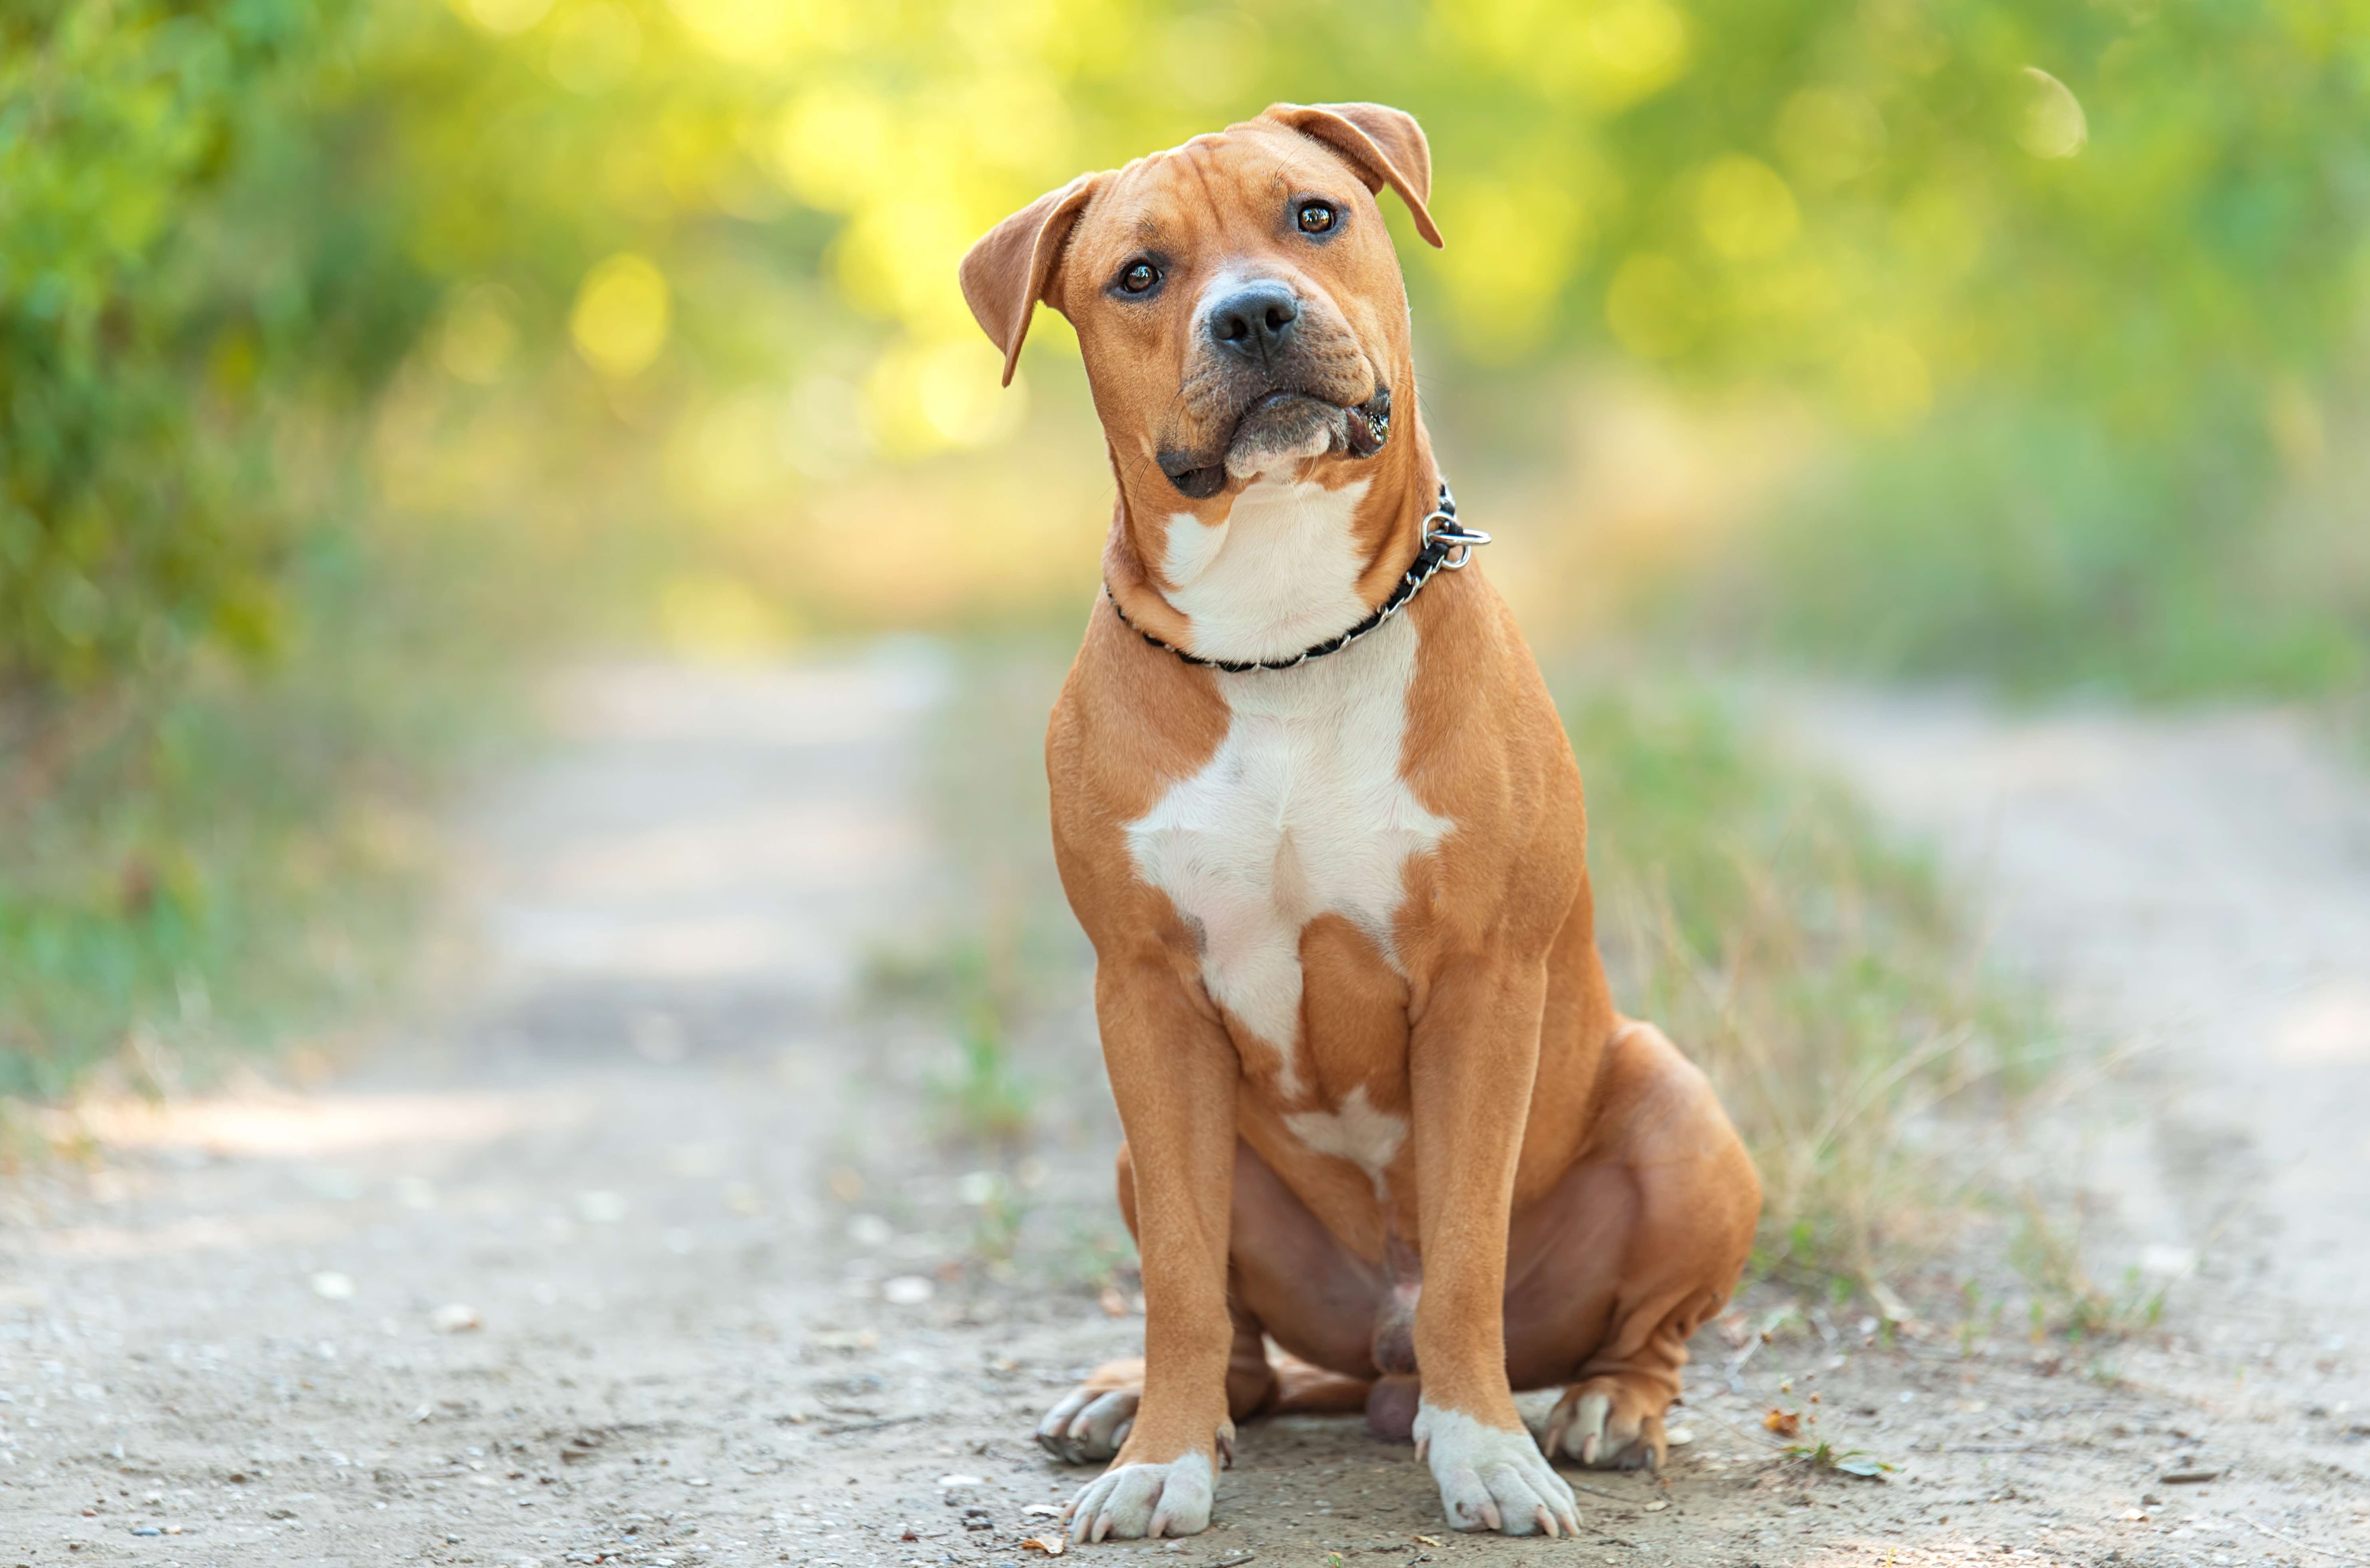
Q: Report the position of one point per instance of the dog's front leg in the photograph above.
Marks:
(1173, 1073)
(1475, 1052)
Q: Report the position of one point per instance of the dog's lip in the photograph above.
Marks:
(1277, 397)
(1182, 468)
(1267, 401)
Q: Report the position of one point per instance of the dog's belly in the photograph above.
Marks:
(1295, 836)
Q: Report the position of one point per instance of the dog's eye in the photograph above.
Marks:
(1317, 218)
(1139, 276)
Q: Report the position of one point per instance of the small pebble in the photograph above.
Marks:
(330, 1285)
(454, 1318)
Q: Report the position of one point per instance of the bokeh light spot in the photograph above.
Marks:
(1744, 209)
(931, 397)
(620, 319)
(746, 31)
(2052, 125)
(505, 17)
(1517, 243)
(831, 146)
(1639, 46)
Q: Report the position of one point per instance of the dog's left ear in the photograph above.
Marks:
(1384, 144)
(1007, 272)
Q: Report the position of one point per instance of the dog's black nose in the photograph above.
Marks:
(1255, 321)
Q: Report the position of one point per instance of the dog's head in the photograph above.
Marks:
(1237, 299)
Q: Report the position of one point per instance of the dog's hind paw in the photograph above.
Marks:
(1092, 1420)
(1492, 1479)
(1608, 1423)
(1133, 1501)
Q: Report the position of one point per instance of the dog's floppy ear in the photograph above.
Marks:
(1006, 273)
(1384, 144)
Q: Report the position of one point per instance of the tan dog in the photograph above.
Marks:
(1378, 1105)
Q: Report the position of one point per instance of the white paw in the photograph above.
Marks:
(1146, 1500)
(1492, 1480)
(1088, 1423)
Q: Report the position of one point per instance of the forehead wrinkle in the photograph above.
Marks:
(1201, 176)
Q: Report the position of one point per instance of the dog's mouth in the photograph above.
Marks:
(1278, 426)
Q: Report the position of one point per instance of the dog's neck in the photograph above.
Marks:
(1289, 559)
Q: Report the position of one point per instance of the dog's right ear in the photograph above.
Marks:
(1006, 273)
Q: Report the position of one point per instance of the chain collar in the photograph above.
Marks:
(1445, 544)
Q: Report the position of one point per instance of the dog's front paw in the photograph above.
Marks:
(1492, 1479)
(1129, 1501)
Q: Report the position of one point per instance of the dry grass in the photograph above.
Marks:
(1818, 974)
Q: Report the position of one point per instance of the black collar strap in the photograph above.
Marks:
(1443, 539)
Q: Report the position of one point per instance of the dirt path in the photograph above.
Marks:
(2195, 893)
(644, 1247)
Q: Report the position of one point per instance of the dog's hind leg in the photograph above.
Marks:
(1303, 1389)
(1281, 1249)
(1090, 1422)
(1612, 1269)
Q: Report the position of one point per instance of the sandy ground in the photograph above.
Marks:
(643, 1243)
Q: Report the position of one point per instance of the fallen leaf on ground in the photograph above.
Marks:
(1051, 1545)
(1785, 1422)
(1429, 1540)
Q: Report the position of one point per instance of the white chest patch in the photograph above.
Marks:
(1279, 573)
(1302, 813)
(1353, 1131)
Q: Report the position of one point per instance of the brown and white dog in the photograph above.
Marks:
(1379, 1107)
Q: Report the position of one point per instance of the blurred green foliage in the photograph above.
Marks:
(1822, 978)
(184, 298)
(230, 862)
(2080, 287)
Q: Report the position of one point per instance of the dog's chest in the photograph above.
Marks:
(1302, 811)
